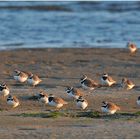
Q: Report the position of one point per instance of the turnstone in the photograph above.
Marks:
(4, 90)
(56, 101)
(81, 103)
(20, 76)
(138, 101)
(132, 47)
(126, 83)
(109, 107)
(73, 92)
(33, 80)
(12, 101)
(107, 80)
(88, 83)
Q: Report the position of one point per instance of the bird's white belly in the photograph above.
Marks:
(55, 104)
(70, 94)
(20, 79)
(10, 103)
(5, 92)
(32, 82)
(104, 110)
(44, 100)
(138, 102)
(104, 82)
(82, 105)
(86, 87)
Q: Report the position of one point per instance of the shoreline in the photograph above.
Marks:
(93, 46)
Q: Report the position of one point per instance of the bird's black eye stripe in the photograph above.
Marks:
(50, 99)
(1, 88)
(104, 106)
(68, 91)
(79, 100)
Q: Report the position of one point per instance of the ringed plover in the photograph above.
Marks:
(56, 101)
(88, 83)
(12, 101)
(126, 83)
(74, 92)
(107, 80)
(20, 76)
(33, 80)
(81, 102)
(4, 90)
(109, 107)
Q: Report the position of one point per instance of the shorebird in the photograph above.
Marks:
(20, 76)
(109, 107)
(33, 80)
(88, 83)
(42, 97)
(138, 101)
(4, 90)
(132, 47)
(107, 80)
(74, 92)
(126, 83)
(81, 103)
(12, 101)
(56, 101)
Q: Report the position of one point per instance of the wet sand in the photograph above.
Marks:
(59, 68)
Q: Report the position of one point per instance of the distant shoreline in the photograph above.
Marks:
(67, 48)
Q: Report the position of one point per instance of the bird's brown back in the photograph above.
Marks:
(59, 100)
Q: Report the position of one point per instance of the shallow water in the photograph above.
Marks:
(69, 24)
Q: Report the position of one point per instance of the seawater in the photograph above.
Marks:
(62, 24)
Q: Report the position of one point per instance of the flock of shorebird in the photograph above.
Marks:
(75, 93)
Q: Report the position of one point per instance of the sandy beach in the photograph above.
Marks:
(59, 68)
